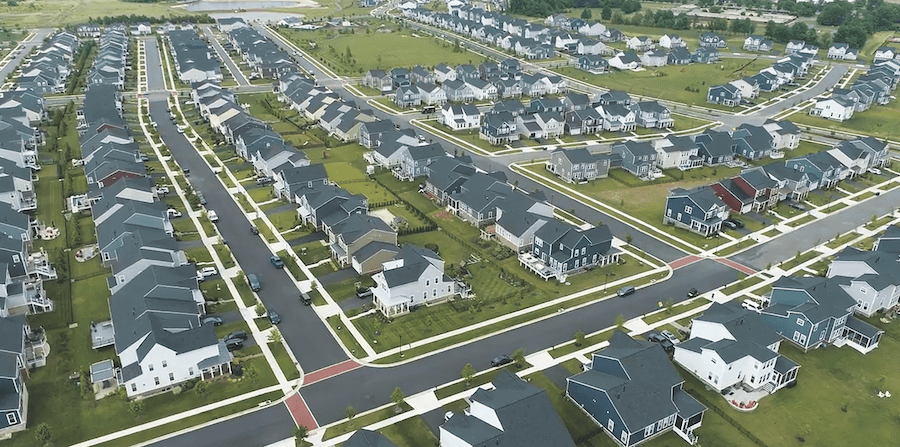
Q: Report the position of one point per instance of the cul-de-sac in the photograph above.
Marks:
(449, 223)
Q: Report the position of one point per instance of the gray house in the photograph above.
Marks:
(638, 157)
(578, 165)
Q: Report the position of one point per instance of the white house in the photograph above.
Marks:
(460, 117)
(671, 41)
(415, 277)
(749, 88)
(730, 347)
(838, 109)
(625, 61)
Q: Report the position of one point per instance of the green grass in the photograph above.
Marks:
(364, 420)
(215, 289)
(208, 228)
(261, 194)
(240, 283)
(312, 252)
(864, 196)
(836, 207)
(803, 220)
(224, 255)
(284, 220)
(346, 289)
(772, 233)
(371, 50)
(291, 264)
(477, 380)
(373, 191)
(347, 339)
(571, 346)
(879, 121)
(288, 367)
(343, 173)
(797, 260)
(264, 230)
(879, 222)
(676, 310)
(734, 248)
(842, 239)
(573, 366)
(199, 254)
(670, 82)
(742, 285)
(324, 269)
(412, 432)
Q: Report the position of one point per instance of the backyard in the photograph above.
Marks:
(879, 121)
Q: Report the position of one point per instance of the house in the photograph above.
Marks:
(730, 347)
(625, 61)
(757, 43)
(632, 391)
(616, 117)
(458, 117)
(885, 53)
(431, 94)
(785, 134)
(794, 183)
(420, 75)
(499, 128)
(363, 241)
(705, 55)
(671, 41)
(835, 108)
(592, 47)
(458, 91)
(638, 157)
(519, 216)
(541, 125)
(325, 205)
(12, 364)
(578, 165)
(812, 311)
(678, 56)
(446, 177)
(654, 59)
(889, 241)
(560, 249)
(510, 412)
(364, 437)
(442, 73)
(482, 90)
(378, 80)
(639, 43)
(475, 200)
(413, 278)
(592, 29)
(842, 51)
(747, 87)
(592, 63)
(752, 142)
(415, 159)
(698, 210)
(583, 122)
(615, 97)
(711, 40)
(752, 190)
(727, 95)
(766, 82)
(370, 133)
(715, 147)
(407, 96)
(872, 278)
(291, 180)
(677, 152)
(794, 46)
(652, 114)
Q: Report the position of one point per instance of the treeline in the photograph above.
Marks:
(133, 19)
(658, 19)
(857, 21)
(538, 8)
(627, 6)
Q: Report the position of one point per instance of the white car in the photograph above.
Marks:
(875, 171)
(172, 213)
(212, 216)
(206, 272)
(162, 189)
(180, 129)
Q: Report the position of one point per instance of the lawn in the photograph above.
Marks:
(376, 193)
(261, 194)
(734, 248)
(742, 285)
(291, 264)
(347, 339)
(381, 45)
(799, 259)
(879, 121)
(224, 255)
(240, 283)
(477, 380)
(284, 220)
(288, 367)
(803, 220)
(342, 172)
(358, 422)
(264, 230)
(412, 432)
(842, 239)
(836, 207)
(686, 84)
(675, 310)
(875, 223)
(346, 289)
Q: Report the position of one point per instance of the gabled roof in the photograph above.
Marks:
(702, 196)
(414, 261)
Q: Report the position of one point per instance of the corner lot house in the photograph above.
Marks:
(415, 277)
(578, 165)
(697, 210)
(632, 391)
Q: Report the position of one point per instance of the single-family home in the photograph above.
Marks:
(458, 117)
(625, 61)
(747, 86)
(499, 128)
(842, 51)
(712, 40)
(413, 278)
(835, 108)
(757, 43)
(671, 41)
(378, 80)
(698, 210)
(752, 142)
(638, 157)
(678, 56)
(652, 114)
(726, 94)
(578, 165)
(654, 58)
(716, 147)
(363, 241)
(639, 43)
(679, 152)
(872, 278)
(561, 249)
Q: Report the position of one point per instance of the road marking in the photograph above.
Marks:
(685, 261)
(329, 371)
(737, 266)
(300, 411)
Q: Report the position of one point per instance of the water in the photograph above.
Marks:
(231, 6)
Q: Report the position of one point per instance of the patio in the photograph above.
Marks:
(743, 400)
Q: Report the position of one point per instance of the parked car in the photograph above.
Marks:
(215, 321)
(667, 345)
(253, 282)
(254, 229)
(795, 205)
(212, 216)
(264, 180)
(363, 293)
(875, 171)
(306, 299)
(625, 291)
(693, 292)
(736, 222)
(173, 213)
(234, 344)
(671, 337)
(274, 318)
(206, 272)
(201, 198)
(729, 224)
(501, 360)
(276, 262)
(654, 336)
(239, 335)
(162, 190)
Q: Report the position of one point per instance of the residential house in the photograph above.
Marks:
(519, 216)
(443, 73)
(758, 43)
(715, 147)
(698, 210)
(363, 242)
(652, 114)
(885, 53)
(872, 278)
(678, 56)
(325, 205)
(499, 128)
(751, 191)
(730, 347)
(633, 393)
(842, 51)
(413, 278)
(671, 41)
(794, 46)
(458, 91)
(625, 61)
(378, 80)
(812, 311)
(835, 108)
(591, 63)
(578, 165)
(638, 157)
(407, 96)
(12, 364)
(561, 249)
(615, 97)
(617, 117)
(795, 184)
(752, 142)
(711, 40)
(459, 117)
(420, 75)
(640, 43)
(705, 55)
(482, 90)
(509, 412)
(654, 59)
(822, 168)
(290, 181)
(415, 159)
(726, 94)
(677, 152)
(747, 86)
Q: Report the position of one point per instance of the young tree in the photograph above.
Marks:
(251, 372)
(300, 434)
(397, 398)
(468, 372)
(201, 388)
(586, 14)
(260, 310)
(519, 357)
(136, 407)
(351, 412)
(628, 238)
(43, 433)
(620, 322)
(275, 336)
(579, 338)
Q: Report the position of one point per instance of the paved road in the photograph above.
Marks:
(30, 44)
(304, 332)
(236, 72)
(259, 428)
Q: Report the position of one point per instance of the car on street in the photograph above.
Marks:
(253, 282)
(693, 292)
(276, 262)
(274, 318)
(206, 272)
(254, 229)
(234, 344)
(200, 198)
(625, 291)
(237, 335)
(500, 360)
(306, 299)
(215, 321)
(212, 216)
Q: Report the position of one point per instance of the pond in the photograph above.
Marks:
(237, 5)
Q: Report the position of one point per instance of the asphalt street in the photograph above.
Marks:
(236, 72)
(36, 40)
(259, 428)
(304, 332)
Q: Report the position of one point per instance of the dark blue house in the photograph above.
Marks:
(566, 249)
(638, 157)
(698, 210)
(634, 393)
(715, 147)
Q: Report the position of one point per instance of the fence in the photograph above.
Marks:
(727, 418)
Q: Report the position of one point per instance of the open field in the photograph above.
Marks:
(879, 121)
(34, 14)
(670, 82)
(373, 47)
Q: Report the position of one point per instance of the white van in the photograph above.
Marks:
(750, 305)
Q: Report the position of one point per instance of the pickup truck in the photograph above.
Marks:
(213, 217)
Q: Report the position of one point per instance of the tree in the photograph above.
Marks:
(628, 238)
(835, 13)
(398, 398)
(300, 434)
(260, 310)
(518, 357)
(606, 14)
(348, 54)
(468, 373)
(87, 391)
(853, 34)
(136, 407)
(670, 304)
(620, 322)
(586, 14)
(351, 412)
(579, 338)
(275, 335)
(201, 388)
(43, 433)
(251, 372)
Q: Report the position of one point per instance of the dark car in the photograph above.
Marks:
(693, 292)
(796, 206)
(234, 344)
(274, 318)
(254, 229)
(654, 336)
(277, 262)
(215, 321)
(625, 291)
(729, 224)
(237, 335)
(363, 293)
(667, 345)
(306, 299)
(201, 198)
(253, 281)
(501, 360)
(736, 222)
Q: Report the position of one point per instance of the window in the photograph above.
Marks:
(712, 360)
(156, 380)
(164, 364)
(190, 370)
(800, 322)
(11, 418)
(583, 250)
(435, 280)
(648, 431)
(688, 209)
(669, 212)
(863, 290)
(133, 388)
(171, 377)
(624, 437)
(16, 258)
(433, 292)
(610, 424)
(427, 282)
(150, 367)
(797, 336)
(105, 256)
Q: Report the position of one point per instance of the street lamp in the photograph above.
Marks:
(401, 345)
(607, 280)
